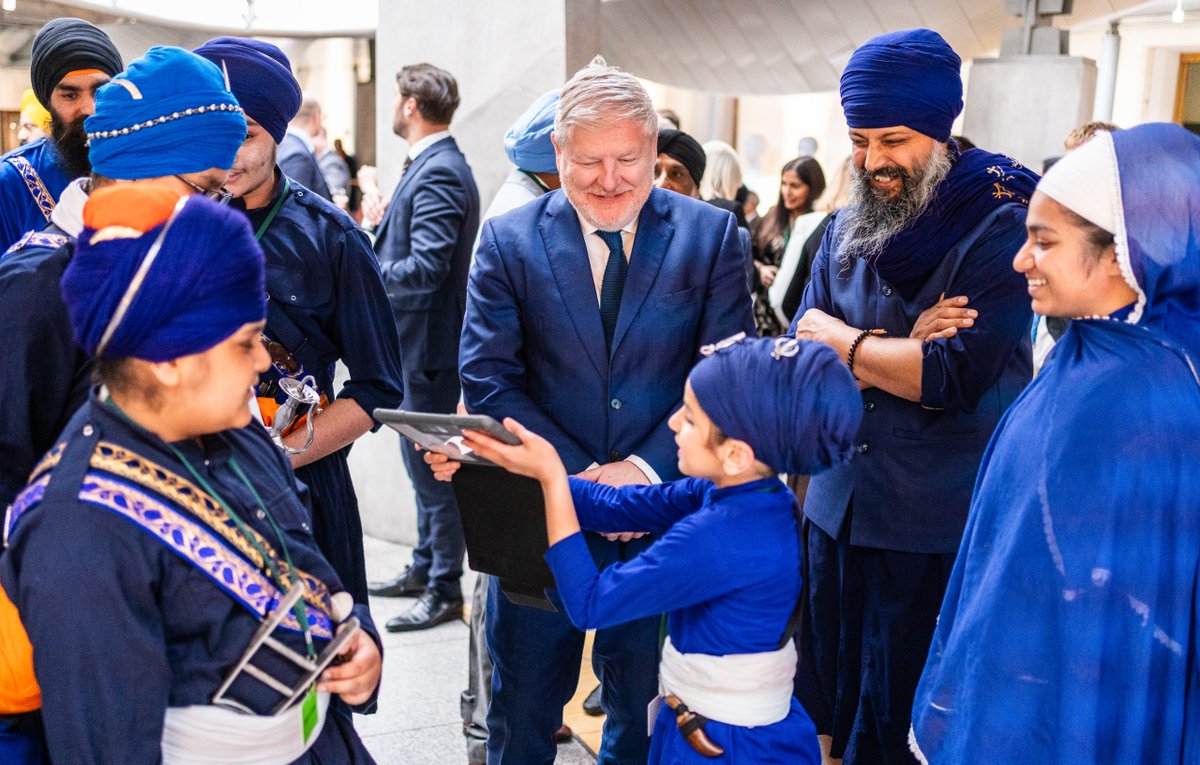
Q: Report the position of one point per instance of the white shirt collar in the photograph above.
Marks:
(588, 229)
(415, 150)
(68, 213)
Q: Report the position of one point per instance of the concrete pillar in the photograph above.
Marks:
(1106, 78)
(504, 53)
(1004, 114)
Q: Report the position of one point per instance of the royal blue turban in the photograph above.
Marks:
(205, 282)
(261, 77)
(68, 45)
(793, 401)
(527, 142)
(169, 112)
(911, 78)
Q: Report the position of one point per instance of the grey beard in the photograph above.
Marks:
(871, 220)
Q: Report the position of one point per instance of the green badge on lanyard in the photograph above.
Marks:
(309, 713)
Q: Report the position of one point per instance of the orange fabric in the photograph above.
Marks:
(129, 205)
(19, 691)
(80, 72)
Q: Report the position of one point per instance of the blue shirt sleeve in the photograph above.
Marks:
(636, 508)
(684, 567)
(957, 371)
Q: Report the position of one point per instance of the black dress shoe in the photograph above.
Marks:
(591, 705)
(405, 585)
(430, 610)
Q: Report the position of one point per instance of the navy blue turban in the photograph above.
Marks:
(69, 45)
(168, 113)
(793, 401)
(527, 142)
(204, 283)
(911, 78)
(260, 75)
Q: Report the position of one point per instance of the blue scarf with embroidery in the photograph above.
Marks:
(978, 184)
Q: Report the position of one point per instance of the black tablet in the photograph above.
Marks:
(443, 433)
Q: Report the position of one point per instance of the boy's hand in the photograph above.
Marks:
(534, 456)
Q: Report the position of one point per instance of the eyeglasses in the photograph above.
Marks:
(221, 196)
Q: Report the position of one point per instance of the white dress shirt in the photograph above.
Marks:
(415, 150)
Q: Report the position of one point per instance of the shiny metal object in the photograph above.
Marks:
(300, 394)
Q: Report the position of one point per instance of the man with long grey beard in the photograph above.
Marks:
(914, 287)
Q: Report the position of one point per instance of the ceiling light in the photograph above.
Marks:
(1176, 15)
(9, 5)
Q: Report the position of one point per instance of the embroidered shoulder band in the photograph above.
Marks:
(33, 182)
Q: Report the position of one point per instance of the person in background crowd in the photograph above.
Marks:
(1087, 131)
(670, 118)
(327, 304)
(297, 155)
(802, 182)
(722, 179)
(528, 146)
(836, 196)
(34, 121)
(790, 223)
(928, 226)
(424, 250)
(680, 163)
(71, 60)
(1069, 629)
(749, 201)
(652, 276)
(147, 522)
(334, 170)
(352, 166)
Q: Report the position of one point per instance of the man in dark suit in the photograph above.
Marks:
(586, 311)
(424, 248)
(297, 155)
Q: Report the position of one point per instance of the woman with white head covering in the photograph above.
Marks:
(1069, 630)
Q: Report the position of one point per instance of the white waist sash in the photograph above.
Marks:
(746, 689)
(201, 735)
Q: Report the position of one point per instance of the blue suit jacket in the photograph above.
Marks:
(424, 248)
(533, 346)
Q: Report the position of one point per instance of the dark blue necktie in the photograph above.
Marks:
(613, 284)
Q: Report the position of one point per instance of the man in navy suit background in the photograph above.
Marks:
(424, 248)
(585, 312)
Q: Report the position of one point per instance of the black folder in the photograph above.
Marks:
(504, 521)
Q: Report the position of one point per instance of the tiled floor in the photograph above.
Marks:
(419, 722)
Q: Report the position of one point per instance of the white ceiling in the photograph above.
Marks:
(796, 46)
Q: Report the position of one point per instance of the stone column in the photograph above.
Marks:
(504, 54)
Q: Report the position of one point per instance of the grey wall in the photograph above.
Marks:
(1024, 105)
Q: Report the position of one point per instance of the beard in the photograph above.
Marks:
(70, 140)
(873, 218)
(611, 220)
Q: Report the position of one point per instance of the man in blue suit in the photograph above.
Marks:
(585, 312)
(424, 248)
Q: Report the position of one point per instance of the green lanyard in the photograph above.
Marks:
(298, 610)
(541, 184)
(262, 228)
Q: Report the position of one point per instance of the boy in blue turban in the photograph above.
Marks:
(167, 523)
(929, 227)
(326, 303)
(725, 567)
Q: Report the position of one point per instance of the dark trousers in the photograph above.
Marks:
(438, 556)
(337, 527)
(536, 656)
(868, 622)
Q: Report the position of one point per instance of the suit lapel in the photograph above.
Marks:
(572, 271)
(654, 234)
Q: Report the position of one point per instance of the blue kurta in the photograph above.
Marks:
(44, 375)
(31, 181)
(324, 280)
(123, 624)
(725, 570)
(1069, 629)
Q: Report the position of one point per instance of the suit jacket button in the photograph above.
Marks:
(614, 456)
(862, 448)
(869, 406)
(887, 291)
(615, 403)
